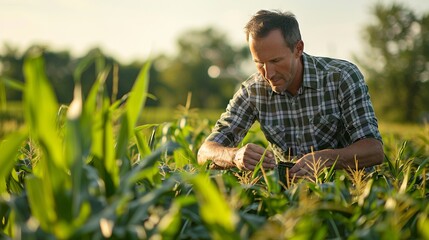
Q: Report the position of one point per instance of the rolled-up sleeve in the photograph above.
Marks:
(235, 122)
(356, 106)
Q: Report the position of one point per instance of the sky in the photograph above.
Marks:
(135, 29)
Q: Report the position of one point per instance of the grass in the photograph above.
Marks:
(403, 130)
(163, 114)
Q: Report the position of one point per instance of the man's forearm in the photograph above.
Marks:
(367, 153)
(221, 156)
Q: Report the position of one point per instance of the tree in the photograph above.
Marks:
(396, 62)
(206, 65)
(11, 66)
(60, 67)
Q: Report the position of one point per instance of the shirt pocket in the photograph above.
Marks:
(325, 130)
(275, 134)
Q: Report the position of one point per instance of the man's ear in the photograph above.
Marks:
(299, 48)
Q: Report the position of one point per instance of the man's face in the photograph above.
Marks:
(280, 66)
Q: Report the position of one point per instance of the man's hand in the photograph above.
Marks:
(309, 166)
(248, 156)
(244, 158)
(365, 153)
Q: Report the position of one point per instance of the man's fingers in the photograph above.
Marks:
(250, 164)
(251, 154)
(259, 150)
(302, 173)
(256, 157)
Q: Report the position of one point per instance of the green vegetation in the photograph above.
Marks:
(100, 162)
(395, 62)
(91, 171)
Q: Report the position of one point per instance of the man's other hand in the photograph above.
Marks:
(248, 156)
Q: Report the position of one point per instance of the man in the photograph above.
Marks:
(312, 108)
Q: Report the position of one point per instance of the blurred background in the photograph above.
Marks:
(199, 47)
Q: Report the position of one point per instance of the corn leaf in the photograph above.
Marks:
(215, 211)
(169, 225)
(143, 144)
(40, 110)
(12, 83)
(134, 105)
(9, 149)
(42, 202)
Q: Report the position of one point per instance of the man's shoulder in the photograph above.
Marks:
(255, 81)
(330, 64)
(322, 71)
(254, 85)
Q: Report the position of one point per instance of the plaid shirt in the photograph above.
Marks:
(331, 110)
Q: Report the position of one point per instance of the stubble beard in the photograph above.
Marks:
(281, 88)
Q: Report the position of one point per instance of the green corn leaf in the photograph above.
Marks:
(142, 144)
(40, 110)
(94, 114)
(181, 158)
(423, 226)
(93, 57)
(97, 119)
(259, 165)
(110, 163)
(141, 206)
(8, 149)
(103, 147)
(169, 226)
(271, 178)
(186, 156)
(138, 95)
(134, 105)
(145, 146)
(42, 202)
(48, 189)
(76, 146)
(12, 83)
(15, 187)
(218, 216)
(73, 136)
(145, 168)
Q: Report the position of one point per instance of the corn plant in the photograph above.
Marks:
(90, 171)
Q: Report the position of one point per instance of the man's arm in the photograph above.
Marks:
(244, 158)
(368, 152)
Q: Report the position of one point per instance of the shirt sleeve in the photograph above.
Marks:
(357, 111)
(235, 122)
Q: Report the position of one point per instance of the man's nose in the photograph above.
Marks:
(269, 71)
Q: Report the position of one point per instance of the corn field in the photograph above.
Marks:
(90, 171)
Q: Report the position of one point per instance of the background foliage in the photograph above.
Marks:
(172, 76)
(395, 63)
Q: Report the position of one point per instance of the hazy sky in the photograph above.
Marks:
(130, 29)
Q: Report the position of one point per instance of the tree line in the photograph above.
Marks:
(395, 63)
(206, 65)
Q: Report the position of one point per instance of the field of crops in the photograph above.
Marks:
(91, 171)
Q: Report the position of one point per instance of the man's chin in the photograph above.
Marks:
(277, 89)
